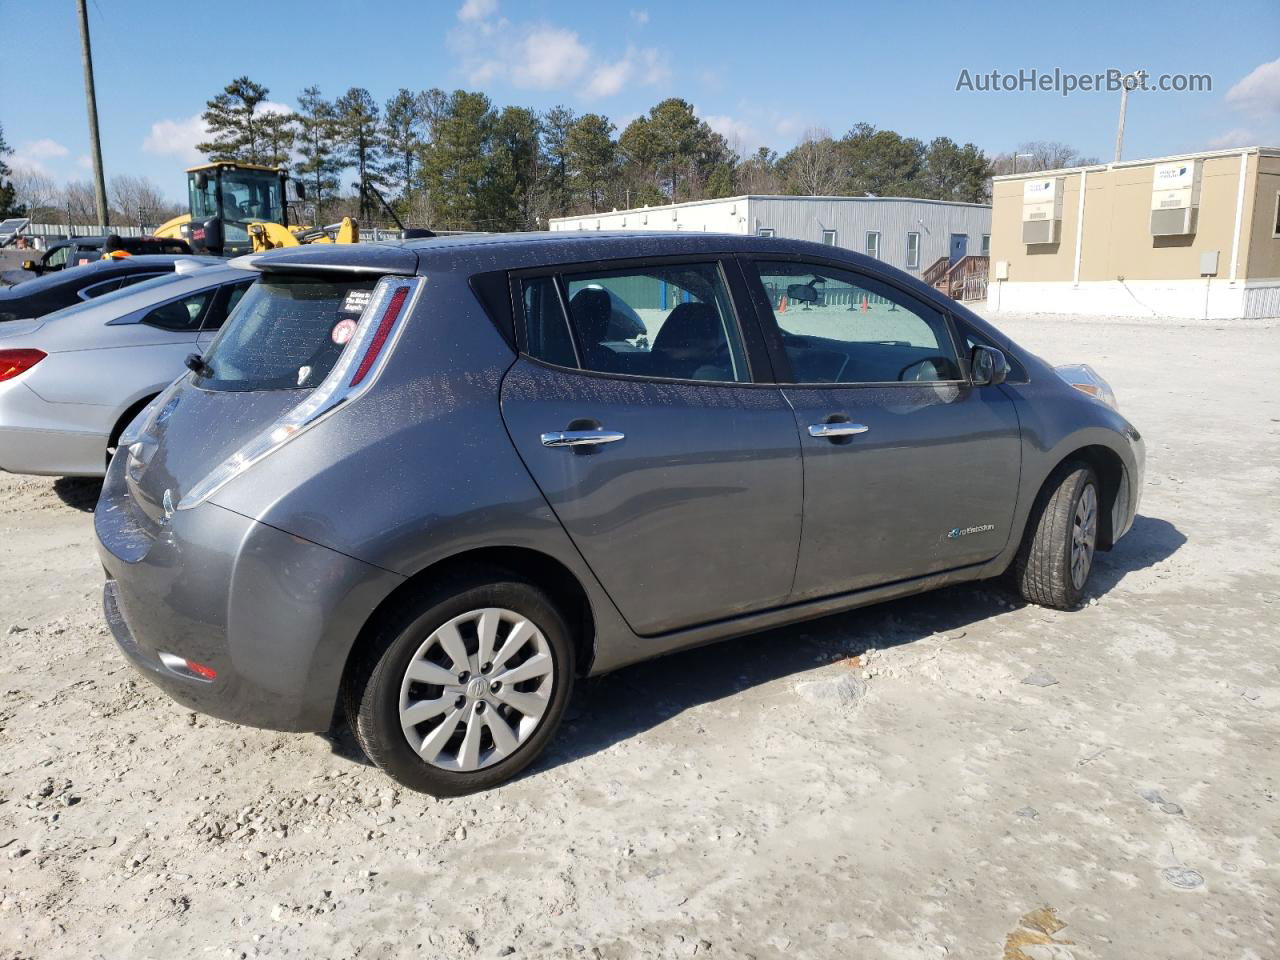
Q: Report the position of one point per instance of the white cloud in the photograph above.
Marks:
(33, 155)
(177, 137)
(271, 106)
(545, 56)
(477, 9)
(640, 16)
(1259, 92)
(739, 133)
(550, 57)
(1237, 137)
(637, 66)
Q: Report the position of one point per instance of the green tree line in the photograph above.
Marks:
(458, 161)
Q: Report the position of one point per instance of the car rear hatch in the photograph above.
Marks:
(287, 355)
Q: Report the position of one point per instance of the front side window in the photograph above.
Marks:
(873, 244)
(181, 314)
(286, 333)
(841, 327)
(913, 250)
(57, 258)
(662, 321)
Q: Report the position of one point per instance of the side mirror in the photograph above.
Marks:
(988, 366)
(202, 181)
(28, 264)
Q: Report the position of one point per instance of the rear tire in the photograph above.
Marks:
(1053, 565)
(493, 732)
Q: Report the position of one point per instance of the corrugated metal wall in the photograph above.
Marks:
(805, 218)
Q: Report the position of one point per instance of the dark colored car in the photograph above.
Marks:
(427, 484)
(53, 291)
(78, 251)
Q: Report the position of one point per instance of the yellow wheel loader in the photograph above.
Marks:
(239, 208)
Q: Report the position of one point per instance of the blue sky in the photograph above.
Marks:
(762, 73)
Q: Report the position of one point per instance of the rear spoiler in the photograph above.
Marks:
(379, 259)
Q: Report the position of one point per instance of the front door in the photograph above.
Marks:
(677, 477)
(909, 468)
(959, 246)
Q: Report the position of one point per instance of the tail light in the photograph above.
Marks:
(354, 373)
(14, 362)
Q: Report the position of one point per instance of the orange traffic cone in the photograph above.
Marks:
(782, 303)
(865, 305)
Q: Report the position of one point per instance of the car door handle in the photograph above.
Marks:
(839, 429)
(580, 438)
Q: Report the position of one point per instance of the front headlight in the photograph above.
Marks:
(1087, 380)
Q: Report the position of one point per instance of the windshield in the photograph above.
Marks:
(286, 333)
(251, 195)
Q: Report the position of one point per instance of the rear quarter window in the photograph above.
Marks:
(286, 333)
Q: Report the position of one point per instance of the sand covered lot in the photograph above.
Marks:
(957, 775)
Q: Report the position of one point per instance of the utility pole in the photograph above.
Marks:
(91, 102)
(1129, 81)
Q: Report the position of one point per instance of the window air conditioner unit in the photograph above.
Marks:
(1175, 198)
(1042, 210)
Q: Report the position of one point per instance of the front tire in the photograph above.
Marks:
(459, 691)
(1052, 568)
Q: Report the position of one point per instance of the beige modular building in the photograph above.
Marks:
(1193, 236)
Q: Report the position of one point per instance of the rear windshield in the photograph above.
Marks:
(285, 334)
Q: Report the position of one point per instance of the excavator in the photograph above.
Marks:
(239, 208)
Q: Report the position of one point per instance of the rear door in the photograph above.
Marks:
(643, 409)
(909, 469)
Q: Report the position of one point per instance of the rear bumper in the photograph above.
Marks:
(52, 453)
(272, 614)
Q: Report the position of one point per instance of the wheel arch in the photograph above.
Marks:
(1113, 481)
(131, 411)
(540, 569)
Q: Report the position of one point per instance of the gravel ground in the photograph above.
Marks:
(953, 775)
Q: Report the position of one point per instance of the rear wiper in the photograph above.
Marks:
(196, 364)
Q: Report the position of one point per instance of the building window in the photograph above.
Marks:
(986, 244)
(829, 237)
(765, 232)
(1276, 232)
(913, 251)
(873, 244)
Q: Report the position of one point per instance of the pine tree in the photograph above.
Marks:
(8, 199)
(593, 158)
(320, 164)
(403, 126)
(235, 124)
(279, 133)
(358, 131)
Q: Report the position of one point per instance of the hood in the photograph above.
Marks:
(191, 434)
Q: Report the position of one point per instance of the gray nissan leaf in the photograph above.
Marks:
(429, 484)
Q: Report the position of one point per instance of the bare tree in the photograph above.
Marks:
(814, 167)
(1035, 155)
(78, 203)
(138, 200)
(38, 193)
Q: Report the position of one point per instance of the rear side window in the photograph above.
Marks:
(665, 321)
(286, 333)
(181, 314)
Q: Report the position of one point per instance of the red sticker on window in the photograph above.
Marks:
(342, 331)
